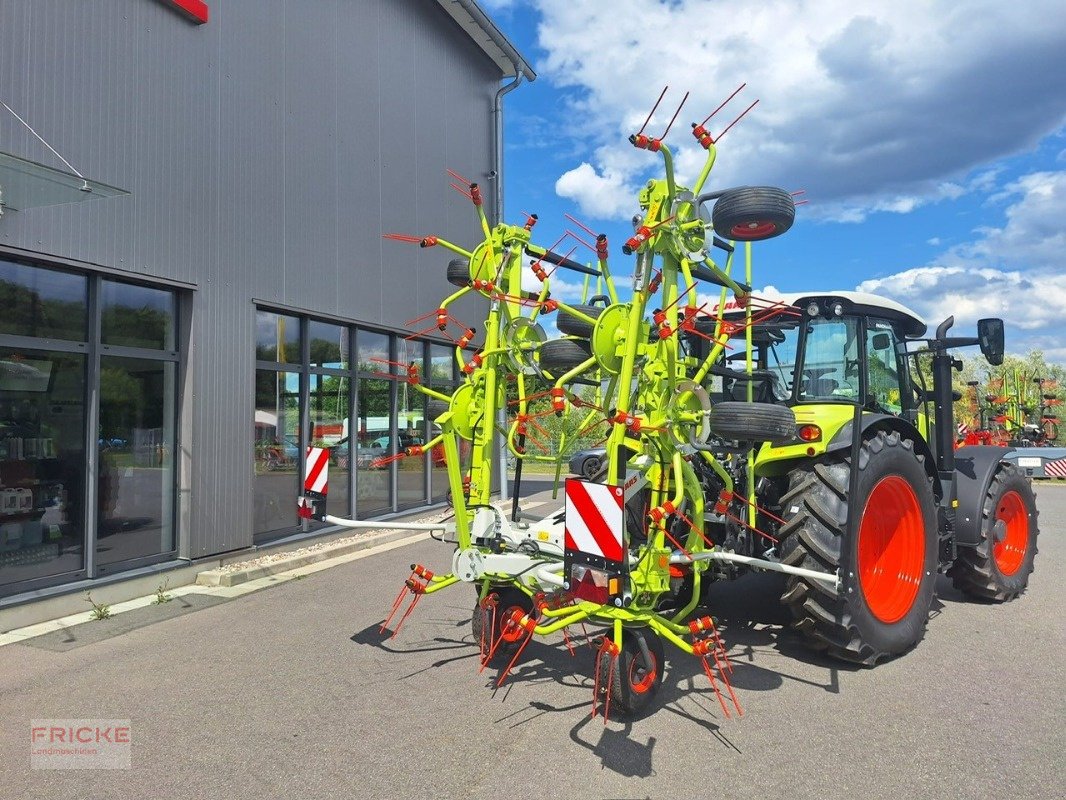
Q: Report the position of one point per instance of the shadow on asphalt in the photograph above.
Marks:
(751, 621)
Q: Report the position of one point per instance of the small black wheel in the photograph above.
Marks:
(559, 356)
(752, 422)
(998, 568)
(459, 272)
(753, 213)
(508, 600)
(434, 408)
(574, 326)
(633, 681)
(591, 467)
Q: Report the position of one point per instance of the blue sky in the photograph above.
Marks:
(929, 138)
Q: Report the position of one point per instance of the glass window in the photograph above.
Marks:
(442, 365)
(135, 480)
(42, 464)
(329, 396)
(329, 345)
(411, 428)
(373, 351)
(883, 378)
(42, 302)
(831, 360)
(373, 414)
(277, 450)
(137, 316)
(277, 338)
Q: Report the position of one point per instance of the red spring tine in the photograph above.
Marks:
(718, 138)
(714, 685)
(652, 112)
(462, 191)
(458, 177)
(581, 225)
(517, 655)
(406, 614)
(402, 237)
(674, 117)
(724, 102)
(589, 246)
(395, 606)
(729, 688)
(566, 641)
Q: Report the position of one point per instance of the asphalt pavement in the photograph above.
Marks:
(292, 693)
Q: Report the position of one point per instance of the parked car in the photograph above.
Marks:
(588, 463)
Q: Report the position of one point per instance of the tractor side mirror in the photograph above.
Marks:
(881, 341)
(990, 336)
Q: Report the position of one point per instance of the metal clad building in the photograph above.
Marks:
(265, 152)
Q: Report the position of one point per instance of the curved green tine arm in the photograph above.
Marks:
(454, 248)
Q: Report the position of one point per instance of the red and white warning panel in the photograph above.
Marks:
(312, 504)
(594, 555)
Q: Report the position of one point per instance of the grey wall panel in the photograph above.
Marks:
(267, 152)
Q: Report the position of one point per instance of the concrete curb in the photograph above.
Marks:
(220, 577)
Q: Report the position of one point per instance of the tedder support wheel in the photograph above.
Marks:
(559, 356)
(508, 599)
(758, 422)
(998, 568)
(753, 213)
(888, 567)
(434, 408)
(634, 683)
(459, 272)
(573, 326)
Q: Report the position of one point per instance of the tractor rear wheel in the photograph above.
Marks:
(998, 568)
(887, 566)
(633, 682)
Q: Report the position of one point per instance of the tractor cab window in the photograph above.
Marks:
(830, 360)
(883, 378)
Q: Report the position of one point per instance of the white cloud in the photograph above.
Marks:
(1013, 271)
(869, 106)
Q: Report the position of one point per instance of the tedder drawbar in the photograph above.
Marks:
(774, 435)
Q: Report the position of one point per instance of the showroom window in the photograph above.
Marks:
(310, 391)
(88, 416)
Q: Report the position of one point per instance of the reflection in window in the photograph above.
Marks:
(831, 360)
(411, 428)
(42, 464)
(277, 449)
(329, 428)
(42, 302)
(277, 338)
(373, 442)
(883, 375)
(329, 345)
(135, 480)
(137, 316)
(373, 351)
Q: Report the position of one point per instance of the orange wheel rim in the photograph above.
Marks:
(1009, 552)
(891, 549)
(510, 634)
(641, 679)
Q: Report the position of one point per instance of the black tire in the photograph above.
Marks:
(815, 537)
(591, 467)
(459, 272)
(632, 685)
(1008, 517)
(507, 600)
(559, 356)
(752, 422)
(434, 408)
(753, 213)
(573, 326)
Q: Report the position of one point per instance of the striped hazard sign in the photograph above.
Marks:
(594, 519)
(1055, 469)
(316, 471)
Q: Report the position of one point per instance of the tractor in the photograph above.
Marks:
(870, 486)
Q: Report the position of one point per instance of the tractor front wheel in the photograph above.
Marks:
(887, 565)
(998, 568)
